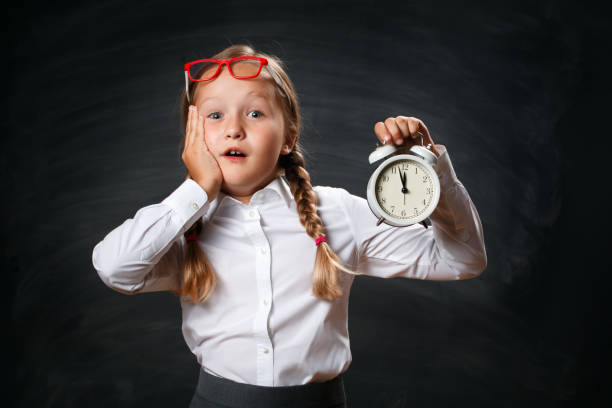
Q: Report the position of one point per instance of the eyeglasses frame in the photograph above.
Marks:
(262, 62)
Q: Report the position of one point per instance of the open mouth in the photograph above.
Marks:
(234, 155)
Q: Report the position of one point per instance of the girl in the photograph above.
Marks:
(262, 261)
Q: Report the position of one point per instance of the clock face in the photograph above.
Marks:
(405, 189)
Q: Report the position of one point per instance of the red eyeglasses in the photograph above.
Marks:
(239, 67)
(242, 67)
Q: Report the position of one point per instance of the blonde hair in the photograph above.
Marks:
(198, 280)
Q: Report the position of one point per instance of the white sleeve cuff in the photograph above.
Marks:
(189, 201)
(444, 168)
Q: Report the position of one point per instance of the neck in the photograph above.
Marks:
(246, 199)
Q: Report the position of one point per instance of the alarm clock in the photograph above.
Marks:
(404, 189)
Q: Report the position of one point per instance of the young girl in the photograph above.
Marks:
(262, 261)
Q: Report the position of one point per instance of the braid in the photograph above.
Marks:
(304, 195)
(198, 279)
(327, 264)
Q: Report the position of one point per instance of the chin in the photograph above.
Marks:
(244, 185)
(236, 185)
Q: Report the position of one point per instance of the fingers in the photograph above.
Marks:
(194, 131)
(187, 125)
(404, 124)
(381, 131)
(391, 131)
(415, 127)
(189, 128)
(397, 129)
(394, 130)
(201, 141)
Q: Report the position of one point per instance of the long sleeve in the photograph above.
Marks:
(130, 259)
(452, 248)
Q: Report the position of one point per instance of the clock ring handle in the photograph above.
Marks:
(421, 135)
(422, 141)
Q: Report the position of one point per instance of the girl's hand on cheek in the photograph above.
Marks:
(403, 131)
(202, 166)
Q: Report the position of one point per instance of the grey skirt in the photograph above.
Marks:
(218, 392)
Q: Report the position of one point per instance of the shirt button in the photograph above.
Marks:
(262, 250)
(195, 206)
(261, 195)
(266, 350)
(252, 214)
(266, 302)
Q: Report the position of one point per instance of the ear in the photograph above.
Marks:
(292, 138)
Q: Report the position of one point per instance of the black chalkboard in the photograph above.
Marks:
(516, 91)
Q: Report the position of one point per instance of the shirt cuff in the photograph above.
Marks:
(189, 201)
(444, 169)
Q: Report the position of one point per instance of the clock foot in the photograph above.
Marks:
(424, 223)
(380, 220)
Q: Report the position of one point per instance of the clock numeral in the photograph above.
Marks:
(394, 169)
(385, 178)
(403, 213)
(423, 201)
(379, 189)
(384, 200)
(424, 179)
(416, 211)
(416, 170)
(404, 166)
(392, 208)
(428, 190)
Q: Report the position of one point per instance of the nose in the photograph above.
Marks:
(233, 128)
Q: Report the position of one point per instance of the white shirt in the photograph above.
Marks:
(262, 325)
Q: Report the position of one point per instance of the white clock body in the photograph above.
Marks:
(402, 206)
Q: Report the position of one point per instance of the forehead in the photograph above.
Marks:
(225, 86)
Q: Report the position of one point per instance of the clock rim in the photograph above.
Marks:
(373, 202)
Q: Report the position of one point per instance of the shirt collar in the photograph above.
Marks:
(281, 186)
(278, 186)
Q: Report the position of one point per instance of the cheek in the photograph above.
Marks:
(210, 139)
(275, 136)
(208, 127)
(274, 143)
(211, 131)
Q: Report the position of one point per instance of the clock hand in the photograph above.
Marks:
(404, 189)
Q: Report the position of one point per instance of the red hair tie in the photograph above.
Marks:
(320, 239)
(192, 237)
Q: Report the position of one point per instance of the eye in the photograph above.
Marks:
(258, 113)
(213, 117)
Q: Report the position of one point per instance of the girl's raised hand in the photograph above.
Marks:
(404, 131)
(202, 166)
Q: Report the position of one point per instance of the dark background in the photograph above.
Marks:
(516, 90)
